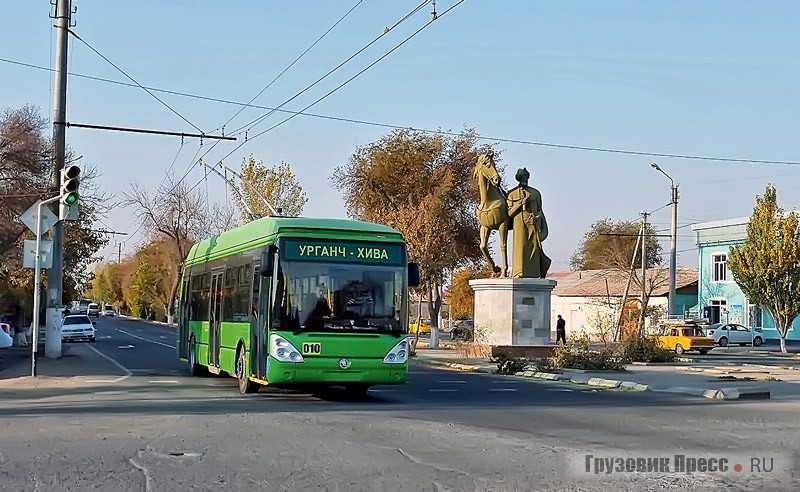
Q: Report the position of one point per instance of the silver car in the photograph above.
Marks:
(724, 334)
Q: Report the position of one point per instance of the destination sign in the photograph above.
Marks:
(340, 251)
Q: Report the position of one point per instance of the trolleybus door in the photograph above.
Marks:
(257, 326)
(216, 317)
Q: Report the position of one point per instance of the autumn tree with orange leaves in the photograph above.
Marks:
(421, 184)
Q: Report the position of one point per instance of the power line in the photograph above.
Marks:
(133, 80)
(244, 106)
(386, 31)
(348, 80)
(420, 129)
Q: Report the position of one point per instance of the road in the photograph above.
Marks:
(136, 422)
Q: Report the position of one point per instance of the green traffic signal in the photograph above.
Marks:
(71, 198)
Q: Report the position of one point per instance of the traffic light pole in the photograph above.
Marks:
(55, 277)
(37, 274)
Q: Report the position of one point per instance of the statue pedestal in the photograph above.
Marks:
(513, 311)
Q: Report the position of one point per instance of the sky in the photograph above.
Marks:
(712, 78)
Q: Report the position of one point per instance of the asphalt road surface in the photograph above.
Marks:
(135, 422)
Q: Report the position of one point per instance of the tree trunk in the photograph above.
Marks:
(434, 306)
(174, 294)
(783, 324)
(643, 317)
(419, 321)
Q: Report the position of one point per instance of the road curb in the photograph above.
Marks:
(451, 365)
(125, 316)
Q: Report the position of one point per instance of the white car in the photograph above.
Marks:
(108, 310)
(724, 334)
(78, 327)
(6, 340)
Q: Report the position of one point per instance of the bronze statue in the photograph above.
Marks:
(530, 229)
(493, 210)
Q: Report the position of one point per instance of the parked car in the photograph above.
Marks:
(724, 334)
(424, 328)
(682, 338)
(463, 330)
(108, 310)
(93, 310)
(6, 339)
(78, 327)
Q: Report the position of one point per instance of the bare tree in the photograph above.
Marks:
(221, 217)
(172, 211)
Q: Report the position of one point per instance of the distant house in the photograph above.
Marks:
(584, 296)
(719, 296)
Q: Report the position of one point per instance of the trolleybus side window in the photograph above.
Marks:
(236, 296)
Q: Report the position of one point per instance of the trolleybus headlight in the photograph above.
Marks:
(398, 354)
(282, 350)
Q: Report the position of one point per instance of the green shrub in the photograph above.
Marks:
(506, 365)
(545, 364)
(639, 349)
(578, 354)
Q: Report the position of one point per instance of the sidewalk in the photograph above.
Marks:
(706, 379)
(77, 360)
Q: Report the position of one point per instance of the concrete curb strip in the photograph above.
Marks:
(452, 365)
(723, 393)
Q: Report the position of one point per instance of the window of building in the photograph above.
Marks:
(719, 267)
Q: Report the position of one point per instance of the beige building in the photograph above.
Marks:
(590, 300)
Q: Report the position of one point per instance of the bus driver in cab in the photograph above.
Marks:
(320, 308)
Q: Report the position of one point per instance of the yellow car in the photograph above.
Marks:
(425, 328)
(685, 337)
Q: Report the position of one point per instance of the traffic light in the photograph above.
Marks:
(68, 206)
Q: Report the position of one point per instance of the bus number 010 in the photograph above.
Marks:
(312, 348)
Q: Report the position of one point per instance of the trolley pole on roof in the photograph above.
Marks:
(253, 215)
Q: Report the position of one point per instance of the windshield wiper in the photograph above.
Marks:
(345, 323)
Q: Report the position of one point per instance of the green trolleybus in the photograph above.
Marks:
(298, 301)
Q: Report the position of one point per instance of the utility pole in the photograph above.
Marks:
(673, 255)
(644, 268)
(55, 277)
(119, 254)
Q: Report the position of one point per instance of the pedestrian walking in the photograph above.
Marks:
(561, 330)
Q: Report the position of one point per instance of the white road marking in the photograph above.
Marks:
(452, 381)
(559, 389)
(127, 372)
(164, 381)
(502, 389)
(162, 336)
(500, 381)
(127, 346)
(442, 390)
(382, 391)
(104, 337)
(145, 339)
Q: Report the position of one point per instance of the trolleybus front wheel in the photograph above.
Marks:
(245, 384)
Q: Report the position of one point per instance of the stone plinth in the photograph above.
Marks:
(513, 311)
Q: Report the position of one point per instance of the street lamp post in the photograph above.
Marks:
(672, 243)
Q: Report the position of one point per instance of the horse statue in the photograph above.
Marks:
(492, 211)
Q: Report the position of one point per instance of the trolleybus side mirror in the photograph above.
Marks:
(268, 261)
(413, 275)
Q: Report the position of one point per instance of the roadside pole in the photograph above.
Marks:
(37, 270)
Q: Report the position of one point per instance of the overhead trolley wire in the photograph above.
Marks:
(386, 31)
(244, 106)
(426, 130)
